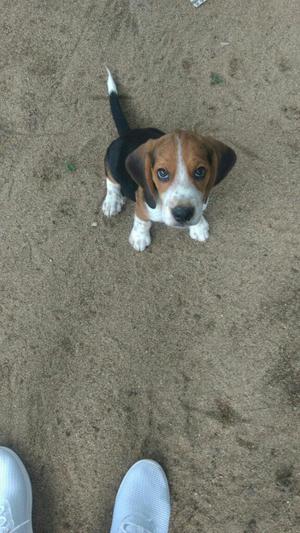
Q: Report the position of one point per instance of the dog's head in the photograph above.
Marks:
(177, 172)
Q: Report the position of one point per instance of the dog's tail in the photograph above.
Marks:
(116, 110)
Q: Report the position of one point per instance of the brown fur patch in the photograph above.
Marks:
(140, 208)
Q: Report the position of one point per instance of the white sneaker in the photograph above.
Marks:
(15, 494)
(143, 501)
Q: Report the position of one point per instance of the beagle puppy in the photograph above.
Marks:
(169, 176)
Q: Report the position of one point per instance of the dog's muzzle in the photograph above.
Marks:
(183, 213)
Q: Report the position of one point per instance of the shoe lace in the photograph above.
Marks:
(6, 519)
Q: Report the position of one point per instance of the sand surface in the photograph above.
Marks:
(186, 353)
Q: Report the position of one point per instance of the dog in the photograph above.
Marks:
(169, 176)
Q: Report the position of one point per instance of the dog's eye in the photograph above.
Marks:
(200, 173)
(162, 174)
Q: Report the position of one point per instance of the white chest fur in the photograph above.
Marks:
(155, 215)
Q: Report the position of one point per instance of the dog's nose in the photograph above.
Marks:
(183, 213)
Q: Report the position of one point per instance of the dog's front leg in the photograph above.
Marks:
(114, 200)
(199, 232)
(140, 236)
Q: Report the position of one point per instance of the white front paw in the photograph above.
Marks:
(113, 203)
(200, 232)
(139, 240)
(140, 237)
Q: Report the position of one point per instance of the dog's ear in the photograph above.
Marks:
(223, 159)
(139, 165)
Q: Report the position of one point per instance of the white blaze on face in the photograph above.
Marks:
(182, 192)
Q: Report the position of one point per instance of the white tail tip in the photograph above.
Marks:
(111, 86)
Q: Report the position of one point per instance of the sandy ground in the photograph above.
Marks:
(185, 353)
